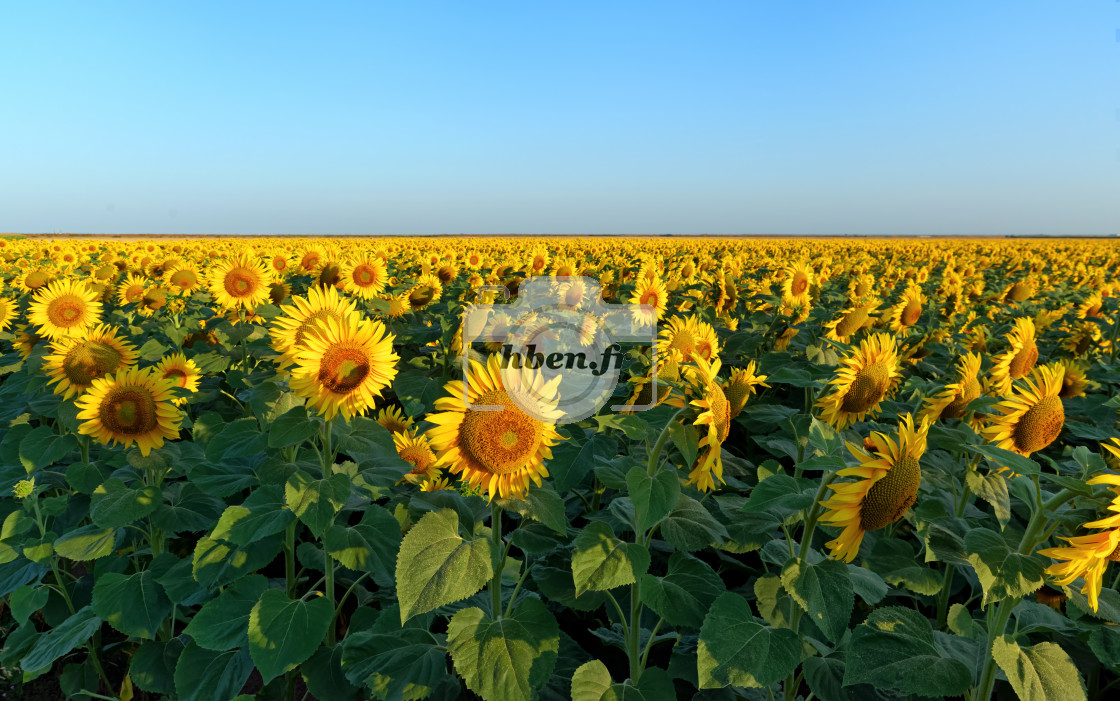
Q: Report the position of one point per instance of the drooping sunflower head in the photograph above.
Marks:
(182, 279)
(393, 419)
(240, 282)
(1074, 378)
(76, 361)
(8, 313)
(865, 378)
(951, 402)
(850, 322)
(65, 308)
(1019, 359)
(743, 383)
(344, 366)
(908, 310)
(1032, 418)
(715, 415)
(130, 406)
(486, 438)
(889, 477)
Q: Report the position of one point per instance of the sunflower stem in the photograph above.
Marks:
(83, 445)
(290, 558)
(988, 676)
(329, 585)
(943, 596)
(499, 555)
(655, 453)
(634, 640)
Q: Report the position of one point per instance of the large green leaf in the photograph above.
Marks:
(133, 604)
(689, 526)
(115, 504)
(436, 566)
(654, 497)
(152, 666)
(542, 505)
(370, 546)
(205, 675)
(284, 632)
(395, 663)
(86, 543)
(216, 564)
(261, 514)
(322, 672)
(1000, 457)
(26, 600)
(1003, 573)
(824, 590)
(735, 649)
(683, 596)
(655, 685)
(507, 659)
(895, 649)
(237, 439)
(781, 494)
(572, 460)
(316, 501)
(600, 561)
(61, 639)
(223, 623)
(42, 447)
(590, 681)
(1042, 672)
(292, 428)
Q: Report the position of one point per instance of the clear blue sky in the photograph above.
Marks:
(752, 116)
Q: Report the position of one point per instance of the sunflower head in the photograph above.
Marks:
(1032, 417)
(65, 308)
(130, 406)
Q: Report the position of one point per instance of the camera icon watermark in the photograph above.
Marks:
(560, 346)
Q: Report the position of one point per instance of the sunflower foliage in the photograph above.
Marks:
(876, 469)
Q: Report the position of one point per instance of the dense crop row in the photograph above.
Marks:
(875, 469)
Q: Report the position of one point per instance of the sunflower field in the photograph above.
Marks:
(247, 468)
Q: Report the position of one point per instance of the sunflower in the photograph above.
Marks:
(130, 406)
(183, 278)
(1083, 336)
(181, 371)
(652, 292)
(393, 419)
(796, 284)
(65, 308)
(716, 415)
(131, 289)
(1033, 417)
(1112, 448)
(427, 289)
(342, 367)
(26, 340)
(35, 280)
(743, 383)
(681, 337)
(1091, 307)
(415, 449)
(1074, 378)
(867, 376)
(890, 476)
(850, 322)
(76, 361)
(1018, 360)
(290, 330)
(240, 282)
(1089, 555)
(950, 402)
(365, 277)
(498, 451)
(8, 313)
(908, 310)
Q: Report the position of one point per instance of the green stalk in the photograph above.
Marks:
(943, 597)
(633, 644)
(290, 558)
(662, 438)
(329, 566)
(499, 555)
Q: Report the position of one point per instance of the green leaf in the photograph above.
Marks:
(223, 623)
(653, 497)
(893, 560)
(86, 543)
(960, 622)
(370, 546)
(1108, 603)
(571, 461)
(999, 457)
(61, 639)
(204, 675)
(633, 426)
(395, 663)
(114, 504)
(736, 650)
(895, 649)
(590, 681)
(1003, 573)
(26, 600)
(992, 488)
(683, 596)
(508, 659)
(824, 438)
(322, 672)
(216, 564)
(316, 501)
(152, 667)
(237, 439)
(133, 604)
(284, 632)
(780, 494)
(870, 586)
(42, 447)
(436, 566)
(686, 440)
(1042, 672)
(261, 514)
(824, 590)
(600, 561)
(292, 428)
(774, 604)
(542, 505)
(689, 526)
(655, 685)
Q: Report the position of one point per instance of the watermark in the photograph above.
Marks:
(561, 347)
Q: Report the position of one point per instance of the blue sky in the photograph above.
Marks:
(745, 117)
